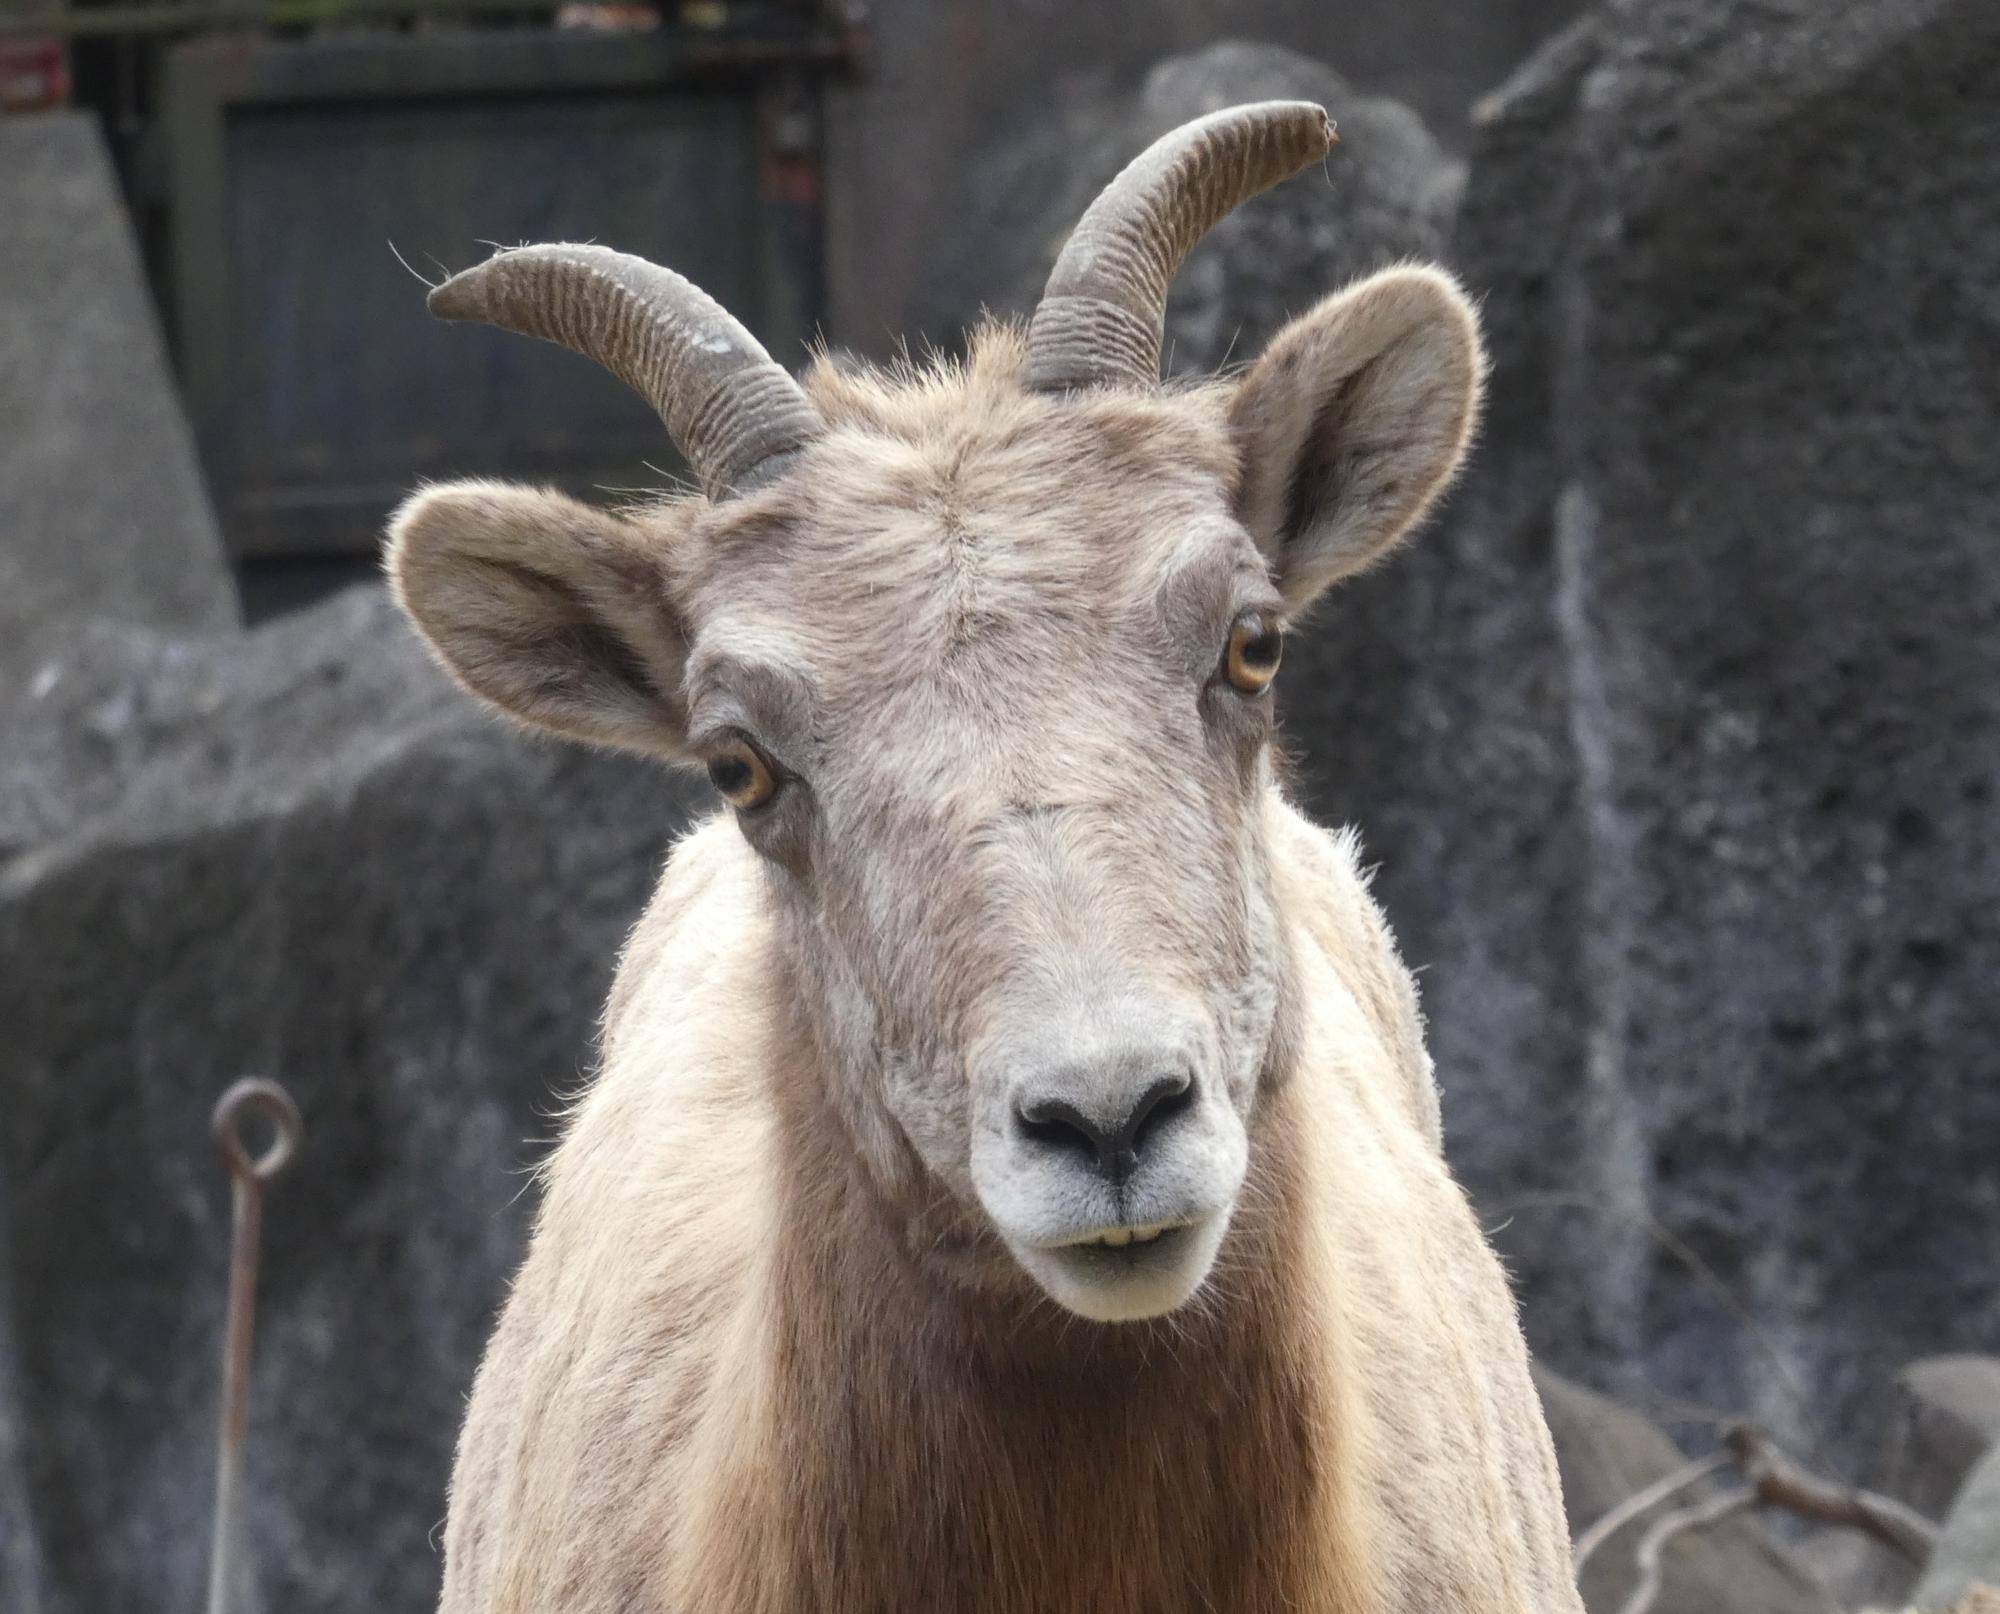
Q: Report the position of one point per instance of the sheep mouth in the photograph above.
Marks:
(1128, 1272)
(1119, 1238)
(1118, 1255)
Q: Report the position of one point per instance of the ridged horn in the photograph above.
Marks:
(1103, 314)
(727, 403)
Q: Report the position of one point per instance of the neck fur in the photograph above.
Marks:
(946, 1446)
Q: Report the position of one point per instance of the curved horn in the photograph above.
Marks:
(727, 403)
(1103, 315)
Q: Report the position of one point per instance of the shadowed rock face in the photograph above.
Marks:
(1679, 740)
(298, 853)
(1943, 1414)
(1967, 1556)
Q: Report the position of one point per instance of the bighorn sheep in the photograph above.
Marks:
(1013, 1181)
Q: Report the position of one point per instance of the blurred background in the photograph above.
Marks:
(1675, 737)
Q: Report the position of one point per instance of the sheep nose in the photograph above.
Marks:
(1111, 1130)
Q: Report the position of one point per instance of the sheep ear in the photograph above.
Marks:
(1353, 421)
(553, 611)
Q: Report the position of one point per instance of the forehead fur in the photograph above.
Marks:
(946, 402)
(945, 493)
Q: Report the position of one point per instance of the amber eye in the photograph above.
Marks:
(1251, 661)
(738, 769)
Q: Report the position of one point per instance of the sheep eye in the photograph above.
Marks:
(740, 772)
(1255, 645)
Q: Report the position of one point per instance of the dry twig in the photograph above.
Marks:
(1778, 1481)
(1638, 1502)
(1695, 1516)
(1772, 1479)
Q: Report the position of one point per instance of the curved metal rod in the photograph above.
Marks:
(249, 1175)
(1695, 1516)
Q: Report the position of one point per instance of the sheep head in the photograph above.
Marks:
(983, 659)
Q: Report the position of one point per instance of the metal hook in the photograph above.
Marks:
(249, 1176)
(275, 1105)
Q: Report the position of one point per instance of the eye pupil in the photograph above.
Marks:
(740, 771)
(1254, 648)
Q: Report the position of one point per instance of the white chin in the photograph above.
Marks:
(1130, 1282)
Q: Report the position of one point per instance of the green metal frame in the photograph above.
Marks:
(193, 16)
(207, 80)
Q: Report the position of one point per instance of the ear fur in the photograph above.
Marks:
(1353, 421)
(551, 610)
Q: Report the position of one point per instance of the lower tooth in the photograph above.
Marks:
(1118, 1238)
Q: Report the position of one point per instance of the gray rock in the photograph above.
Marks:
(102, 508)
(304, 856)
(1679, 741)
(157, 727)
(1385, 194)
(950, 83)
(1944, 1415)
(1968, 1549)
(1608, 1453)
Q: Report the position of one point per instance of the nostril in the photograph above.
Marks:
(1058, 1125)
(1166, 1098)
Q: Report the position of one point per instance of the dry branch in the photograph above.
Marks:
(1695, 1516)
(1779, 1481)
(1771, 1479)
(1638, 1502)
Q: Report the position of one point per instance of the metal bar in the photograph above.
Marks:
(524, 61)
(167, 19)
(195, 15)
(249, 1176)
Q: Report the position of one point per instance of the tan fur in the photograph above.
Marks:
(700, 1399)
(770, 1352)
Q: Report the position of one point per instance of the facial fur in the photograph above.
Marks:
(966, 667)
(1017, 828)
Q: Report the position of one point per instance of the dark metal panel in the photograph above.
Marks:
(320, 388)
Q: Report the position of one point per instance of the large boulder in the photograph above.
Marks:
(298, 853)
(1608, 1454)
(1679, 741)
(1944, 1415)
(1967, 1554)
(102, 508)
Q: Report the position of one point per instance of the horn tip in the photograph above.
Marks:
(457, 298)
(1308, 121)
(1320, 122)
